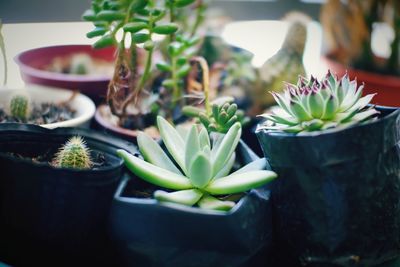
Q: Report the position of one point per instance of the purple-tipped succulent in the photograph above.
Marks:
(314, 105)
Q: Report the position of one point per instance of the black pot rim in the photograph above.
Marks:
(188, 209)
(87, 133)
(176, 207)
(307, 135)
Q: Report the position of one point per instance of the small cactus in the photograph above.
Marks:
(222, 117)
(19, 107)
(74, 154)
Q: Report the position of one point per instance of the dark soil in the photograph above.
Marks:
(42, 114)
(98, 159)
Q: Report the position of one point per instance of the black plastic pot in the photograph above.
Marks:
(151, 234)
(337, 199)
(52, 216)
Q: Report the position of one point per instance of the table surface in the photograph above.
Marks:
(263, 40)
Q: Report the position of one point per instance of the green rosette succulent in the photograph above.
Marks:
(314, 105)
(202, 169)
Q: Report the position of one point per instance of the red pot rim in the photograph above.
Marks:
(48, 75)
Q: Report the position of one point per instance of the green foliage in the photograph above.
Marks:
(202, 170)
(74, 154)
(179, 52)
(314, 105)
(3, 53)
(140, 20)
(222, 117)
(20, 107)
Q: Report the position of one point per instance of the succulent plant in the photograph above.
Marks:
(314, 105)
(73, 154)
(220, 119)
(19, 106)
(202, 170)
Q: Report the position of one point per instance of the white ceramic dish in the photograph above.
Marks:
(84, 106)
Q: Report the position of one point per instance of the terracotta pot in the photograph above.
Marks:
(109, 123)
(32, 64)
(387, 87)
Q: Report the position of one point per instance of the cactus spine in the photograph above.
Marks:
(19, 107)
(74, 154)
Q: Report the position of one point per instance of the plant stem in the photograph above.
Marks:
(199, 18)
(3, 52)
(206, 82)
(171, 18)
(176, 93)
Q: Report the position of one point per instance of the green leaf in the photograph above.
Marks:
(183, 71)
(281, 120)
(110, 15)
(365, 114)
(154, 174)
(169, 28)
(163, 66)
(227, 147)
(168, 83)
(183, 3)
(204, 139)
(200, 170)
(153, 153)
(173, 141)
(140, 37)
(362, 102)
(148, 45)
(106, 40)
(316, 104)
(299, 111)
(138, 5)
(174, 49)
(184, 197)
(237, 183)
(192, 146)
(134, 27)
(256, 165)
(191, 111)
(211, 203)
(330, 108)
(227, 167)
(98, 31)
(183, 131)
(89, 15)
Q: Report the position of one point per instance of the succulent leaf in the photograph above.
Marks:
(200, 170)
(173, 141)
(186, 197)
(241, 182)
(314, 105)
(154, 174)
(192, 147)
(153, 153)
(207, 171)
(211, 203)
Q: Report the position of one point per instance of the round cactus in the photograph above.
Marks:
(19, 107)
(74, 154)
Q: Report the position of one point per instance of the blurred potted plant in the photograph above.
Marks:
(349, 28)
(134, 98)
(338, 165)
(193, 212)
(56, 190)
(42, 106)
